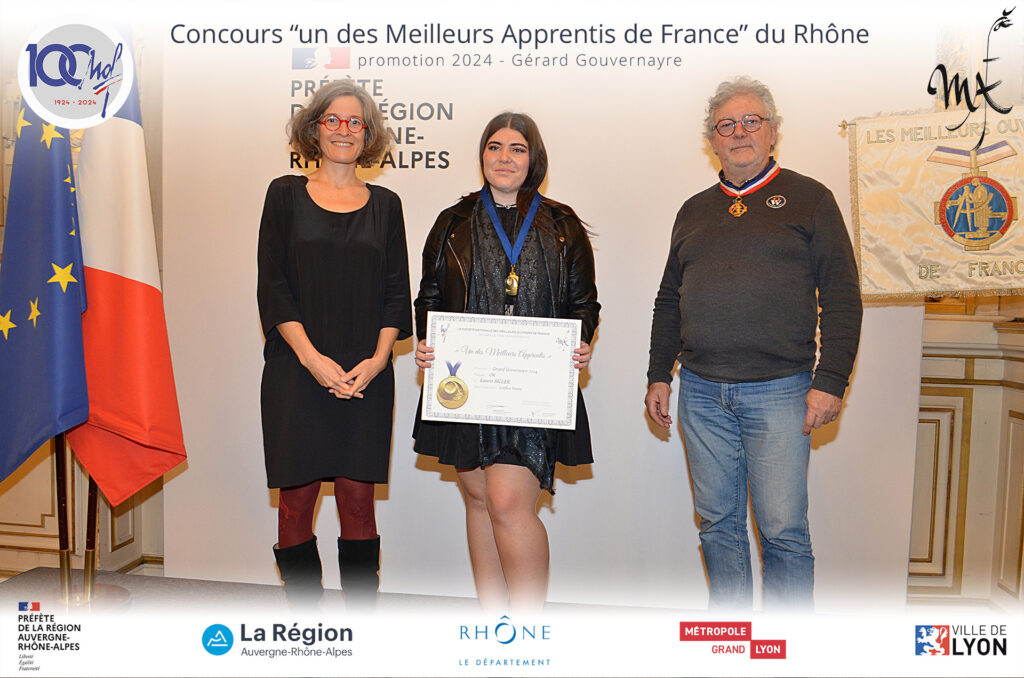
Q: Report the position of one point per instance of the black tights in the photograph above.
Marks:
(354, 499)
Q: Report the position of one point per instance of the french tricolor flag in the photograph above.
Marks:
(133, 435)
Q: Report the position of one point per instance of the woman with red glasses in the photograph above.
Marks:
(333, 295)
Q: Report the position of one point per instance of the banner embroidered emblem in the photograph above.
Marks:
(977, 210)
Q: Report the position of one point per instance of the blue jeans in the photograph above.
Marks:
(750, 434)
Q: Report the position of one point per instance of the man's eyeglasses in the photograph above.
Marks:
(333, 123)
(751, 123)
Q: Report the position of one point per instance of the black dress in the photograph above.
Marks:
(344, 276)
(467, 446)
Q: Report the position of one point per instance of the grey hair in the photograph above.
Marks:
(738, 86)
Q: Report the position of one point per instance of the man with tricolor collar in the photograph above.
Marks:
(751, 260)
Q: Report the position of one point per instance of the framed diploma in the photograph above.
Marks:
(496, 369)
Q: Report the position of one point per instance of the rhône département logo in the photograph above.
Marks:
(75, 75)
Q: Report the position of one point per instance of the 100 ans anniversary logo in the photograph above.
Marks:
(75, 75)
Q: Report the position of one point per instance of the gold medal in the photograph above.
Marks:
(452, 392)
(512, 283)
(737, 208)
(511, 251)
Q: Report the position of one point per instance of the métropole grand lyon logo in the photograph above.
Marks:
(977, 210)
(75, 75)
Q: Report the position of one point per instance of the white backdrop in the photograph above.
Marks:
(626, 149)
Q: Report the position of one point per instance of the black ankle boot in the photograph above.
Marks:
(301, 573)
(359, 561)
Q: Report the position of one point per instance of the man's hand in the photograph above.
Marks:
(822, 408)
(657, 403)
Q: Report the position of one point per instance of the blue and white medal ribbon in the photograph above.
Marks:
(512, 252)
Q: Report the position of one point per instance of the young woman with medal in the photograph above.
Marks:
(507, 250)
(333, 294)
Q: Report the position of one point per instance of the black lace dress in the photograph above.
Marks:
(468, 446)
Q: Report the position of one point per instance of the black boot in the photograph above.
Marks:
(359, 561)
(301, 573)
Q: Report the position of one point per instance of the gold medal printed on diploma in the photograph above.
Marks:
(452, 392)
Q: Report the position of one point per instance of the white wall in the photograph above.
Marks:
(626, 150)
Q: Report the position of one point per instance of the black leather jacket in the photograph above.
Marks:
(448, 259)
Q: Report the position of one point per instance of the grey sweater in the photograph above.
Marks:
(739, 298)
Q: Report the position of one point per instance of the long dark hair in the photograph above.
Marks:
(537, 168)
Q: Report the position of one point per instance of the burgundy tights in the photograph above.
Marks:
(297, 505)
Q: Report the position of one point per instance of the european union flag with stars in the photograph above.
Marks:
(42, 368)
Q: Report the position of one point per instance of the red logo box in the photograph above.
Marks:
(724, 631)
(768, 649)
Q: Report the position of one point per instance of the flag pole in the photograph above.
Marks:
(90, 593)
(60, 454)
(89, 568)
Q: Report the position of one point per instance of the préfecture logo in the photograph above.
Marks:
(977, 210)
(331, 58)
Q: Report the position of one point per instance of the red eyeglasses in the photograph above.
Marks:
(333, 123)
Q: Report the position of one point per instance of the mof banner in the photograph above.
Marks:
(935, 212)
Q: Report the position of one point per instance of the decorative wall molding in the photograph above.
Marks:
(969, 484)
(940, 491)
(1010, 555)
